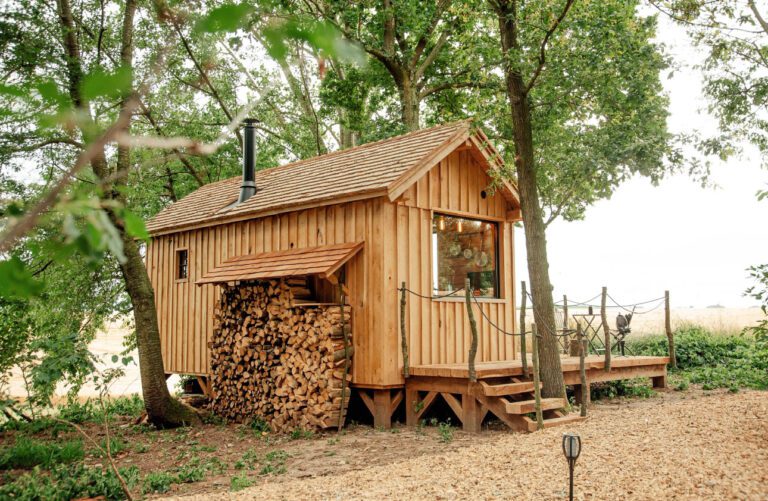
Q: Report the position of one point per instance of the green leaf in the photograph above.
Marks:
(100, 83)
(16, 281)
(134, 225)
(229, 17)
(114, 358)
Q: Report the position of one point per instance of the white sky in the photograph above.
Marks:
(696, 242)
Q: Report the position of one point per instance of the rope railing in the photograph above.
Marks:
(565, 333)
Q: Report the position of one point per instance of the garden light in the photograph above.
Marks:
(571, 450)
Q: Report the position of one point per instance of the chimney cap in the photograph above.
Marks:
(250, 121)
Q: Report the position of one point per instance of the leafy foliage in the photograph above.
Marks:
(26, 453)
(63, 483)
(712, 360)
(734, 36)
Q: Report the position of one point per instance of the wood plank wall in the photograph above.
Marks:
(185, 310)
(397, 248)
(438, 330)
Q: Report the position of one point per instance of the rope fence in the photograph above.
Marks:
(591, 329)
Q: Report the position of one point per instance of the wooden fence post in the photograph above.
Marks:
(342, 303)
(536, 379)
(606, 330)
(668, 328)
(523, 349)
(582, 370)
(403, 340)
(473, 327)
(566, 340)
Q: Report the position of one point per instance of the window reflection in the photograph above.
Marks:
(461, 248)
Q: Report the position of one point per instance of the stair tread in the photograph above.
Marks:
(526, 406)
(551, 422)
(500, 389)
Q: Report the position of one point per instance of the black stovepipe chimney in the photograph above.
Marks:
(248, 188)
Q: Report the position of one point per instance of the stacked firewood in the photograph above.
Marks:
(278, 361)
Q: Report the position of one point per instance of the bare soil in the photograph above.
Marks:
(680, 445)
(683, 445)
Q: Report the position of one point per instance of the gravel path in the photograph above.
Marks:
(681, 446)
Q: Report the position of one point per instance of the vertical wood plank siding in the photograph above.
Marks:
(438, 331)
(397, 248)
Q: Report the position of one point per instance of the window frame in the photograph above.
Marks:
(500, 228)
(177, 263)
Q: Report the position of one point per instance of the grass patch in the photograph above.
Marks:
(240, 482)
(158, 482)
(27, 453)
(63, 483)
(301, 434)
(274, 463)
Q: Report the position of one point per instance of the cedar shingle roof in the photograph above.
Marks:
(323, 261)
(366, 170)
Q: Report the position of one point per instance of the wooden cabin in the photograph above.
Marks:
(427, 209)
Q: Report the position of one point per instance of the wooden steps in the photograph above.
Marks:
(503, 389)
(511, 399)
(526, 406)
(551, 422)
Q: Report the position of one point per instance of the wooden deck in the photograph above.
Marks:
(502, 389)
(621, 368)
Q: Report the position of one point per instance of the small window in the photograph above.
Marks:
(182, 264)
(464, 248)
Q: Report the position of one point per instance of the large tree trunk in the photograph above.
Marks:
(533, 218)
(409, 103)
(162, 410)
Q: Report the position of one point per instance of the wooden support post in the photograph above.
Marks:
(606, 330)
(668, 328)
(536, 380)
(403, 340)
(523, 348)
(566, 340)
(382, 409)
(347, 355)
(584, 400)
(411, 401)
(472, 415)
(473, 328)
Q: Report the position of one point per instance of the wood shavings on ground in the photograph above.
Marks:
(693, 445)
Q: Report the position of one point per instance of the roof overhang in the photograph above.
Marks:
(322, 261)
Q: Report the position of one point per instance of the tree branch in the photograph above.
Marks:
(759, 17)
(543, 48)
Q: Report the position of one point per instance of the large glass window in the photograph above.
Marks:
(461, 248)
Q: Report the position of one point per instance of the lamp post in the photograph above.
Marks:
(571, 450)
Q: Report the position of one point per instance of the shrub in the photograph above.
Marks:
(633, 388)
(159, 482)
(714, 361)
(76, 412)
(131, 406)
(63, 483)
(26, 453)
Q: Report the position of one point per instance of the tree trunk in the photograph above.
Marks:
(533, 218)
(162, 410)
(409, 104)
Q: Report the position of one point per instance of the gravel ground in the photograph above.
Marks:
(695, 445)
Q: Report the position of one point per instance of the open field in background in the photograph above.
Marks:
(726, 321)
(107, 343)
(717, 320)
